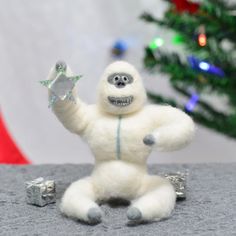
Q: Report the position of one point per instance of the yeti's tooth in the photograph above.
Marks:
(121, 101)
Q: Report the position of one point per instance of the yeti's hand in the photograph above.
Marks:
(172, 129)
(60, 66)
(149, 140)
(61, 84)
(63, 99)
(154, 140)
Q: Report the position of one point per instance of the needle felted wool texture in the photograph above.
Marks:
(121, 132)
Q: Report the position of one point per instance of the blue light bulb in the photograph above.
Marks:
(204, 66)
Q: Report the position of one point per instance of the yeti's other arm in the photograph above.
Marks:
(173, 128)
(73, 115)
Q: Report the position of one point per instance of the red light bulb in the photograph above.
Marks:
(202, 40)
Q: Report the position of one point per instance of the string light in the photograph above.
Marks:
(202, 40)
(156, 43)
(190, 105)
(177, 39)
(205, 67)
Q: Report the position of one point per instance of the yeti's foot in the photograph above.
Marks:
(79, 201)
(156, 202)
(134, 214)
(94, 215)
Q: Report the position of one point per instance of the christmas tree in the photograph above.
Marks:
(207, 30)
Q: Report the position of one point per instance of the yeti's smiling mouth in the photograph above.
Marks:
(121, 101)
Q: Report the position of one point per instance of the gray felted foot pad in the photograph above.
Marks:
(134, 213)
(94, 215)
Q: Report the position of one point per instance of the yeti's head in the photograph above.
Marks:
(121, 89)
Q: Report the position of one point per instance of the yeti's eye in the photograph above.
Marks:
(125, 78)
(116, 78)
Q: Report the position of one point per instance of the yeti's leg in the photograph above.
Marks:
(79, 202)
(156, 200)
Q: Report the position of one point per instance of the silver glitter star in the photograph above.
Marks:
(61, 87)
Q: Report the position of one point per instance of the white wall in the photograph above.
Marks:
(35, 34)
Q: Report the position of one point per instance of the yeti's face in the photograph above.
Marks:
(121, 90)
(120, 80)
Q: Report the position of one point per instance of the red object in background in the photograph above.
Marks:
(9, 152)
(185, 6)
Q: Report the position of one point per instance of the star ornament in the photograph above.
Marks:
(61, 88)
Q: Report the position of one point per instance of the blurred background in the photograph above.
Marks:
(89, 35)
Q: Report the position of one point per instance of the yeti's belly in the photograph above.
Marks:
(120, 138)
(117, 179)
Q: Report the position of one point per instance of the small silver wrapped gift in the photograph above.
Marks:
(179, 182)
(40, 192)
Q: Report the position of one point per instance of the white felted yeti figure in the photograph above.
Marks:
(121, 132)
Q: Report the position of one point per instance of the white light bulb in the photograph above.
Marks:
(204, 66)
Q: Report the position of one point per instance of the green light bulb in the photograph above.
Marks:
(177, 39)
(157, 42)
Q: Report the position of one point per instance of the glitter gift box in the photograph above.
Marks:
(178, 180)
(40, 192)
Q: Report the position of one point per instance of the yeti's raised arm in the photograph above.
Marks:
(174, 128)
(73, 115)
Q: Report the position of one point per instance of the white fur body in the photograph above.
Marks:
(115, 136)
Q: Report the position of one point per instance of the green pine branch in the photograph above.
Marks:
(171, 63)
(219, 24)
(186, 26)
